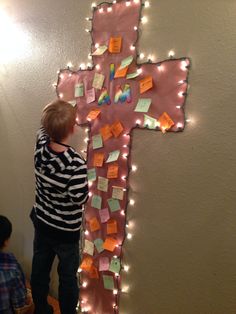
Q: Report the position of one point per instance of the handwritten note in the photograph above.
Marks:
(99, 245)
(93, 114)
(88, 247)
(145, 84)
(117, 129)
(121, 72)
(96, 201)
(110, 244)
(132, 75)
(97, 141)
(91, 174)
(143, 105)
(112, 226)
(108, 282)
(115, 265)
(106, 132)
(104, 215)
(113, 156)
(115, 44)
(165, 122)
(90, 96)
(126, 62)
(94, 224)
(104, 263)
(149, 122)
(112, 171)
(79, 90)
(118, 192)
(86, 264)
(98, 159)
(113, 204)
(102, 184)
(98, 80)
(100, 51)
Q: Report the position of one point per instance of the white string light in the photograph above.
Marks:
(138, 122)
(132, 47)
(129, 236)
(128, 3)
(134, 168)
(144, 20)
(135, 28)
(61, 95)
(171, 53)
(84, 284)
(69, 65)
(132, 202)
(126, 268)
(179, 125)
(93, 5)
(101, 10)
(109, 9)
(115, 291)
(147, 4)
(141, 56)
(98, 67)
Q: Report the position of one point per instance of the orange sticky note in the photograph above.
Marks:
(112, 226)
(121, 72)
(106, 132)
(94, 224)
(115, 44)
(98, 159)
(145, 84)
(165, 122)
(112, 172)
(110, 244)
(93, 272)
(117, 129)
(86, 263)
(93, 114)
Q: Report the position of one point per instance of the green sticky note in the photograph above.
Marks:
(143, 105)
(88, 247)
(102, 184)
(113, 156)
(99, 245)
(126, 62)
(97, 141)
(91, 174)
(113, 204)
(132, 75)
(108, 282)
(149, 122)
(115, 265)
(79, 90)
(96, 201)
(98, 80)
(100, 51)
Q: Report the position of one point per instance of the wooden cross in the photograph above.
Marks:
(117, 120)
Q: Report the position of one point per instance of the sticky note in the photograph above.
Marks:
(102, 184)
(104, 215)
(113, 156)
(99, 245)
(90, 95)
(100, 51)
(117, 129)
(93, 114)
(115, 265)
(165, 122)
(86, 264)
(98, 159)
(149, 122)
(145, 84)
(113, 204)
(110, 244)
(108, 282)
(121, 72)
(104, 264)
(143, 105)
(118, 192)
(106, 132)
(115, 44)
(79, 90)
(132, 75)
(97, 141)
(126, 62)
(112, 171)
(96, 201)
(88, 247)
(93, 272)
(91, 174)
(98, 80)
(94, 224)
(112, 226)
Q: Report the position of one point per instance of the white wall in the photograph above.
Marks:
(182, 256)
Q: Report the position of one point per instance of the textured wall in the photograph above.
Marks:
(182, 256)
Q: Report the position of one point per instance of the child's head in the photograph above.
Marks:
(5, 231)
(58, 119)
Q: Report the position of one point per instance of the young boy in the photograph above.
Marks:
(61, 191)
(13, 292)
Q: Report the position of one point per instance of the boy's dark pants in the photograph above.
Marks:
(45, 250)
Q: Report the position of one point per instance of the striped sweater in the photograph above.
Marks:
(61, 190)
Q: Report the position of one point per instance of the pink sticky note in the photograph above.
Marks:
(104, 215)
(90, 95)
(104, 263)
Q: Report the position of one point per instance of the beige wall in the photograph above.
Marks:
(182, 256)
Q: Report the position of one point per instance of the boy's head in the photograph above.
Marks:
(5, 231)
(58, 119)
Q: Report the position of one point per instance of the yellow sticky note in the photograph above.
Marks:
(117, 128)
(145, 84)
(98, 159)
(115, 44)
(165, 122)
(106, 132)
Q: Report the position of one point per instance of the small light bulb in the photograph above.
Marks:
(97, 45)
(125, 289)
(61, 76)
(179, 125)
(86, 232)
(147, 4)
(89, 65)
(117, 275)
(90, 194)
(128, 3)
(171, 53)
(123, 178)
(109, 9)
(86, 140)
(90, 184)
(135, 28)
(188, 120)
(79, 270)
(114, 1)
(141, 56)
(181, 82)
(126, 268)
(178, 107)
(132, 47)
(69, 65)
(138, 122)
(132, 202)
(129, 236)
(84, 284)
(61, 95)
(140, 71)
(158, 124)
(93, 5)
(82, 66)
(101, 10)
(150, 57)
(180, 94)
(144, 20)
(54, 85)
(89, 56)
(98, 67)
(136, 1)
(70, 74)
(87, 18)
(125, 156)
(160, 67)
(115, 291)
(134, 168)
(184, 65)
(122, 212)
(87, 30)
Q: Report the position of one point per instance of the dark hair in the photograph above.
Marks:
(5, 230)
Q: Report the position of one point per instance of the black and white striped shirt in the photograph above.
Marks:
(61, 190)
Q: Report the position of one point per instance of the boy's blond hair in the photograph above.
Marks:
(58, 119)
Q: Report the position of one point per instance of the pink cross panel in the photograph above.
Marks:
(167, 95)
